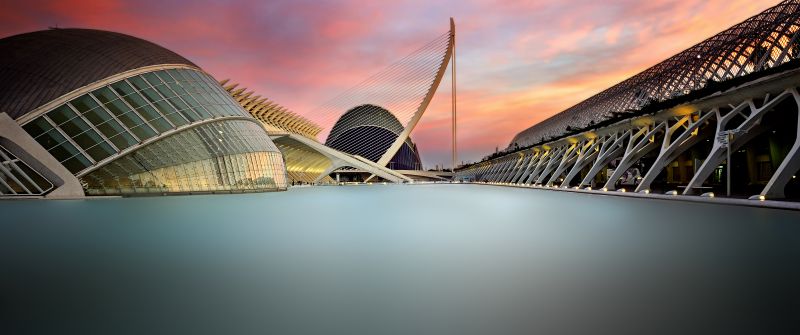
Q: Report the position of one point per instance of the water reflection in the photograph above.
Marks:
(422, 259)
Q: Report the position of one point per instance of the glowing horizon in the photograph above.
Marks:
(518, 62)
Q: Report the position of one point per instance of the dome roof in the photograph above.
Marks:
(368, 131)
(38, 67)
(365, 115)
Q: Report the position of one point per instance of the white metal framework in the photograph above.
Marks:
(761, 42)
(667, 122)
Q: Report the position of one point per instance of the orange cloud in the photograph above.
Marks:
(519, 61)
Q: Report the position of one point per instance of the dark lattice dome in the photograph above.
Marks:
(368, 131)
(38, 67)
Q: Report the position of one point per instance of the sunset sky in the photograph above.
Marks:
(519, 62)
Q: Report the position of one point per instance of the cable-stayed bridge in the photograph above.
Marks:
(364, 130)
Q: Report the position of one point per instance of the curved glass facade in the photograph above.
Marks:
(231, 155)
(103, 128)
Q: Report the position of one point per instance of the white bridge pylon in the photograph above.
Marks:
(404, 89)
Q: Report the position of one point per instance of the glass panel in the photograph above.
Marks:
(151, 95)
(61, 114)
(123, 140)
(196, 107)
(161, 124)
(37, 127)
(143, 132)
(101, 119)
(122, 88)
(194, 75)
(187, 74)
(152, 78)
(100, 151)
(170, 113)
(185, 162)
(138, 82)
(178, 89)
(211, 96)
(177, 74)
(75, 127)
(131, 120)
(135, 100)
(178, 103)
(77, 164)
(84, 103)
(64, 151)
(51, 139)
(165, 91)
(201, 97)
(214, 110)
(235, 110)
(104, 95)
(119, 109)
(98, 115)
(154, 118)
(165, 77)
(88, 139)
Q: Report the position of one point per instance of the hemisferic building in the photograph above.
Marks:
(87, 112)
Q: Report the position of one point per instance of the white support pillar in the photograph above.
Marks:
(610, 150)
(490, 174)
(522, 167)
(480, 175)
(534, 158)
(718, 150)
(545, 158)
(328, 171)
(513, 172)
(552, 164)
(493, 171)
(566, 161)
(633, 153)
(508, 164)
(670, 150)
(584, 158)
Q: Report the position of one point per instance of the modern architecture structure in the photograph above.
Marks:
(89, 112)
(377, 123)
(307, 160)
(364, 131)
(718, 117)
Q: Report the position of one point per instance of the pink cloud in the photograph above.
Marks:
(519, 61)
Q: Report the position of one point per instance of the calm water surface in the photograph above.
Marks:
(394, 259)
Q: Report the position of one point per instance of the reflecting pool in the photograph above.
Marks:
(397, 259)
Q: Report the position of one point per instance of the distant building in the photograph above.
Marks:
(368, 131)
(363, 134)
(89, 112)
